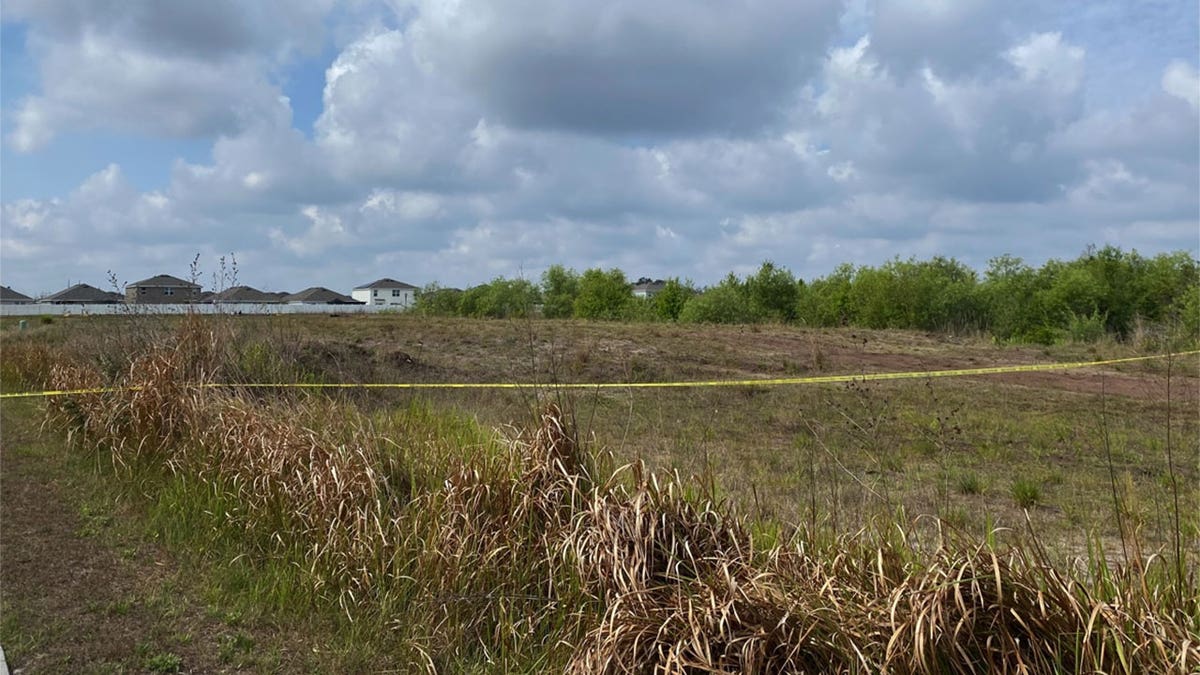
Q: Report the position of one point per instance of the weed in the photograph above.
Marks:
(163, 662)
(1025, 492)
(969, 483)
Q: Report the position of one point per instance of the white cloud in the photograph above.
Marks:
(1181, 80)
(1044, 56)
(165, 69)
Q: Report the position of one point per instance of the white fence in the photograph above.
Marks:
(48, 309)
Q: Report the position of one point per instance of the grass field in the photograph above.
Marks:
(1094, 474)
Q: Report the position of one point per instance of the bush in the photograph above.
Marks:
(604, 295)
(724, 303)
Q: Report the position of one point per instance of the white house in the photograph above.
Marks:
(386, 293)
(647, 288)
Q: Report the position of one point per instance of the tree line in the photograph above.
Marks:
(1103, 292)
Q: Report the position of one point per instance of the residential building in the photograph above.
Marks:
(10, 297)
(162, 289)
(648, 288)
(386, 293)
(318, 295)
(244, 294)
(83, 294)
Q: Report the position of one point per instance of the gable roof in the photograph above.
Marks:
(386, 283)
(243, 294)
(9, 295)
(321, 296)
(84, 293)
(165, 281)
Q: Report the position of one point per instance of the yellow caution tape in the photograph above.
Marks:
(819, 379)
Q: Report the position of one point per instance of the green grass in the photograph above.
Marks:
(1026, 493)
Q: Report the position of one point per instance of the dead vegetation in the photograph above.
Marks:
(531, 552)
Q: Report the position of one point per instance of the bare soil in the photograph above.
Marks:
(78, 595)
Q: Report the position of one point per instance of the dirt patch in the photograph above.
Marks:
(76, 596)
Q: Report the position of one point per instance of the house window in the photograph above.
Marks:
(395, 292)
(168, 291)
(375, 293)
(142, 290)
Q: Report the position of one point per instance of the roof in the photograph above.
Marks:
(321, 296)
(386, 283)
(648, 285)
(244, 294)
(9, 295)
(165, 280)
(84, 293)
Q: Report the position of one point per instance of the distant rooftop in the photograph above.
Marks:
(387, 283)
(244, 294)
(83, 293)
(321, 296)
(9, 295)
(165, 281)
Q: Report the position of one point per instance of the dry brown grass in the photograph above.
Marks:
(531, 555)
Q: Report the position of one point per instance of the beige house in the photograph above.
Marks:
(162, 289)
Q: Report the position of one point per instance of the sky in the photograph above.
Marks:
(327, 143)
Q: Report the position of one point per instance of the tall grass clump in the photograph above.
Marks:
(524, 551)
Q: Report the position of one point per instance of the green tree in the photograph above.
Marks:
(724, 303)
(604, 295)
(826, 301)
(772, 293)
(433, 300)
(500, 299)
(670, 300)
(1011, 299)
(560, 287)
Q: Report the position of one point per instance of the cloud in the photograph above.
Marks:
(1181, 81)
(627, 67)
(973, 137)
(166, 69)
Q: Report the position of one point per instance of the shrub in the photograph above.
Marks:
(604, 295)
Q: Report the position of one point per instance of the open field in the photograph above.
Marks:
(1100, 465)
(950, 447)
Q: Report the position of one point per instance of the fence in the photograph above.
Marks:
(49, 309)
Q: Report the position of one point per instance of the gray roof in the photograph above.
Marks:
(9, 295)
(656, 285)
(165, 281)
(321, 296)
(387, 283)
(243, 294)
(83, 293)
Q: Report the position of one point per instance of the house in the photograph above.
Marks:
(10, 297)
(318, 295)
(161, 289)
(83, 294)
(386, 293)
(245, 294)
(647, 288)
